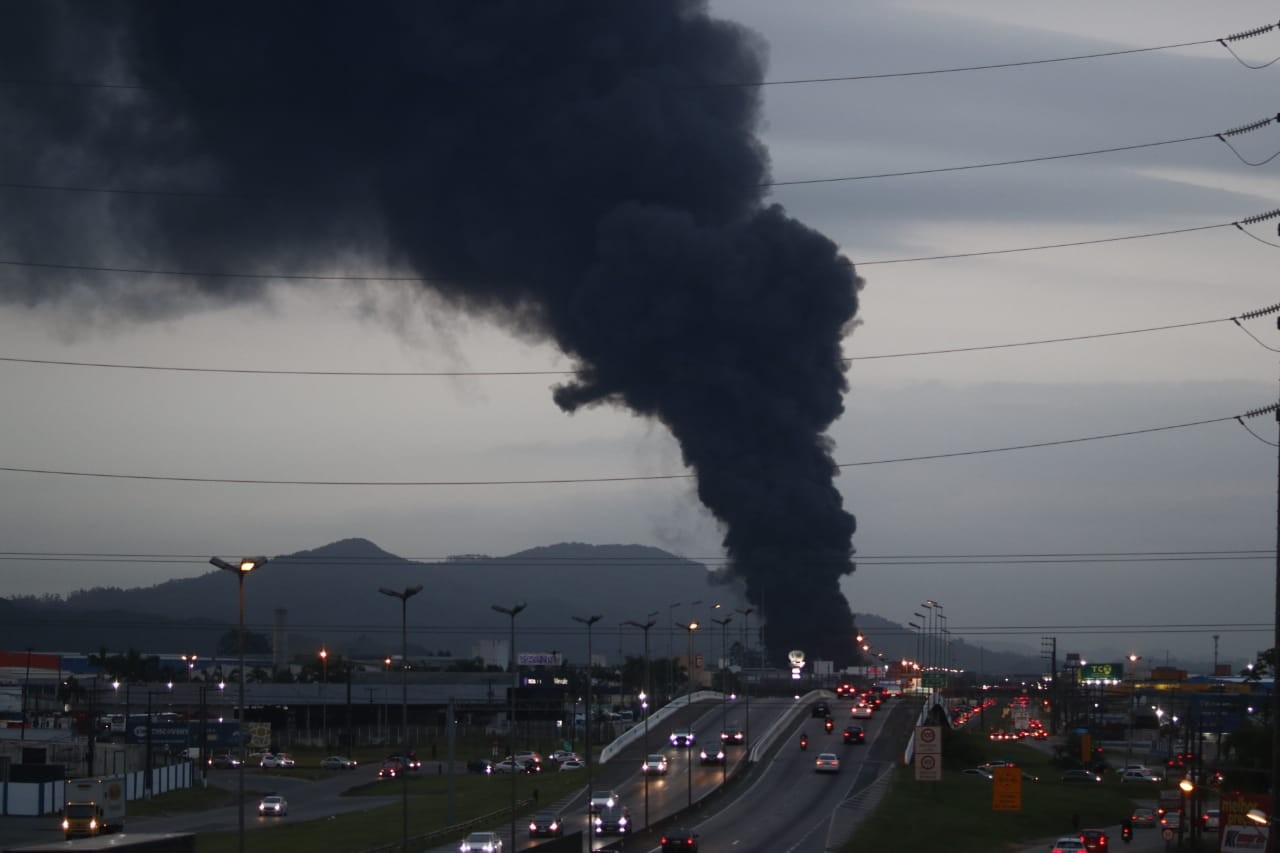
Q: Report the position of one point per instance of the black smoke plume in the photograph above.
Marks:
(575, 168)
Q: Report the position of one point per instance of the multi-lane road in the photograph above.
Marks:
(780, 804)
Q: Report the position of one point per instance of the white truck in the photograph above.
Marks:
(93, 807)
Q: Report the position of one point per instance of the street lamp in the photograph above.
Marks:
(689, 629)
(644, 706)
(146, 779)
(746, 683)
(404, 596)
(513, 611)
(324, 700)
(724, 690)
(246, 565)
(588, 621)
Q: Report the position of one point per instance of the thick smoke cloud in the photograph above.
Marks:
(569, 167)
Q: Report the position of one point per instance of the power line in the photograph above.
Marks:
(392, 277)
(615, 560)
(208, 194)
(1257, 31)
(491, 373)
(630, 478)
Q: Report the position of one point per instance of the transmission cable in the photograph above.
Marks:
(632, 478)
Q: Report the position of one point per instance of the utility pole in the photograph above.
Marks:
(1049, 649)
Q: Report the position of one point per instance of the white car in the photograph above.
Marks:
(481, 842)
(281, 759)
(1069, 844)
(273, 804)
(862, 712)
(572, 764)
(604, 800)
(655, 765)
(1138, 776)
(338, 762)
(827, 762)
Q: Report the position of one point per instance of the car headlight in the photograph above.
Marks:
(622, 821)
(66, 824)
(554, 826)
(599, 823)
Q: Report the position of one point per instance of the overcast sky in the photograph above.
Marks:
(1209, 488)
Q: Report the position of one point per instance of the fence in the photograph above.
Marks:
(33, 799)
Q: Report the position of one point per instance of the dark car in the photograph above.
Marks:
(680, 839)
(480, 765)
(683, 737)
(546, 825)
(855, 734)
(224, 761)
(821, 709)
(711, 755)
(1095, 840)
(390, 769)
(733, 736)
(613, 820)
(1080, 776)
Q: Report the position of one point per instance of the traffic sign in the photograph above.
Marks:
(929, 740)
(928, 768)
(1006, 789)
(934, 679)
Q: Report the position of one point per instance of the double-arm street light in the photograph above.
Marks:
(746, 684)
(246, 565)
(689, 629)
(644, 702)
(724, 691)
(146, 779)
(513, 611)
(588, 621)
(404, 596)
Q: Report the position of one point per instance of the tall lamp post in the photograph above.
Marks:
(689, 629)
(746, 684)
(404, 596)
(324, 700)
(644, 702)
(513, 611)
(724, 690)
(146, 779)
(246, 565)
(588, 621)
(116, 684)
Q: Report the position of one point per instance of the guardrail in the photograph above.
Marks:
(636, 732)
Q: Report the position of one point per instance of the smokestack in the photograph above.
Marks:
(573, 168)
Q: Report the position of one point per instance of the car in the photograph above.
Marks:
(270, 759)
(683, 737)
(603, 800)
(706, 756)
(338, 762)
(508, 765)
(572, 764)
(480, 765)
(979, 771)
(855, 734)
(1095, 840)
(546, 825)
(1211, 819)
(1029, 777)
(1138, 776)
(527, 755)
(861, 712)
(733, 736)
(613, 820)
(1080, 775)
(826, 762)
(390, 769)
(654, 765)
(224, 761)
(1144, 817)
(1171, 820)
(1070, 844)
(562, 755)
(844, 689)
(410, 762)
(820, 709)
(273, 804)
(680, 839)
(481, 842)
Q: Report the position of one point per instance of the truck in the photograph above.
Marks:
(93, 807)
